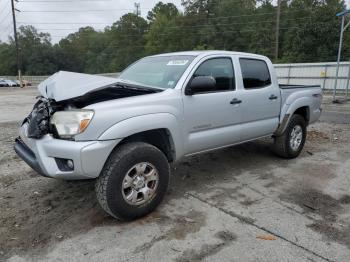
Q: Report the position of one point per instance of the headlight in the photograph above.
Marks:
(71, 123)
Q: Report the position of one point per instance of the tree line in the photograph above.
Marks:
(309, 32)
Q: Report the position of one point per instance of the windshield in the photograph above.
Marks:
(161, 71)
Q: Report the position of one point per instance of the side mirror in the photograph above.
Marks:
(200, 84)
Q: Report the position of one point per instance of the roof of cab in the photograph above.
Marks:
(209, 52)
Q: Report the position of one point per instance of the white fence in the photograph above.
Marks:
(35, 80)
(323, 74)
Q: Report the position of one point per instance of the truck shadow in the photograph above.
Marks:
(55, 210)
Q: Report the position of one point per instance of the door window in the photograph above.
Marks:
(255, 73)
(221, 69)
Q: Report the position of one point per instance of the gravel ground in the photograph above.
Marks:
(237, 204)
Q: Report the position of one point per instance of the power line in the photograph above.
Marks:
(62, 1)
(78, 11)
(240, 16)
(189, 26)
(146, 8)
(7, 32)
(174, 27)
(6, 16)
(64, 23)
(6, 5)
(143, 46)
(70, 1)
(196, 33)
(205, 33)
(8, 26)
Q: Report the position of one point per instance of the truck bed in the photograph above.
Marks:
(311, 93)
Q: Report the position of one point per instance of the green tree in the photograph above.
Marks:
(8, 64)
(309, 32)
(312, 31)
(126, 41)
(36, 52)
(165, 30)
(169, 10)
(78, 47)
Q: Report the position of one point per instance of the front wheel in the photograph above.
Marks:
(133, 181)
(291, 142)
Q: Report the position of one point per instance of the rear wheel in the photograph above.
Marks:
(133, 181)
(291, 142)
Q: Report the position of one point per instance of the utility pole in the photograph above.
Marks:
(16, 41)
(137, 9)
(277, 28)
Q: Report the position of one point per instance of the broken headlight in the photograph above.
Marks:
(71, 123)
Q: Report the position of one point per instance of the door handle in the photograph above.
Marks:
(235, 101)
(273, 97)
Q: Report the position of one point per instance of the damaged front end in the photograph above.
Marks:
(49, 138)
(60, 111)
(39, 118)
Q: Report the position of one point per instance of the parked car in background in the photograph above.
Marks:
(9, 83)
(124, 132)
(3, 83)
(13, 83)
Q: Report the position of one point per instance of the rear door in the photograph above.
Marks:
(261, 98)
(211, 119)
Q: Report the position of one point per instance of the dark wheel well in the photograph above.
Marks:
(304, 112)
(160, 138)
(282, 144)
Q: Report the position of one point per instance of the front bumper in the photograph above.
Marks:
(89, 157)
(27, 155)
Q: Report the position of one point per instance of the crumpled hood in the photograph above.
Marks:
(66, 85)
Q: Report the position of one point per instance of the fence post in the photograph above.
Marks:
(288, 77)
(339, 57)
(325, 76)
(347, 82)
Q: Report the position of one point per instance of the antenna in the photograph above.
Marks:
(137, 9)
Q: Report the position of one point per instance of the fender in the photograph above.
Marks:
(144, 123)
(288, 110)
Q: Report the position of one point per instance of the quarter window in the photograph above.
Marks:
(221, 69)
(255, 73)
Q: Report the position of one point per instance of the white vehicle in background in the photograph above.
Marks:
(8, 83)
(2, 83)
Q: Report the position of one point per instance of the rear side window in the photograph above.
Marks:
(255, 73)
(221, 69)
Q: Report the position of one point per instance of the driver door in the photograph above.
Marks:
(212, 118)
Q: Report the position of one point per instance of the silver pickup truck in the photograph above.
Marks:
(124, 132)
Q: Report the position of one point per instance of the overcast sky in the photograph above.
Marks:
(61, 17)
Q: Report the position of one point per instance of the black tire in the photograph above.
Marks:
(109, 190)
(282, 145)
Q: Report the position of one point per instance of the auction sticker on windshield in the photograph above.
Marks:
(177, 62)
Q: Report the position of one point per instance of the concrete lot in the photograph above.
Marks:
(237, 204)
